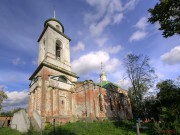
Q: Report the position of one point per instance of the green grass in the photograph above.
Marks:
(9, 131)
(82, 128)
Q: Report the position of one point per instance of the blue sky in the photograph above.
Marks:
(101, 31)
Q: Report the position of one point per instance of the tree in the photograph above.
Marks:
(169, 95)
(141, 76)
(167, 13)
(2, 97)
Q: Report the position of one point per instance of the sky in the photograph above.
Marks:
(101, 31)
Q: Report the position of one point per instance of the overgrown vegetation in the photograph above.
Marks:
(82, 128)
(165, 108)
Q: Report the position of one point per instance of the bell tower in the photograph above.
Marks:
(52, 82)
(54, 45)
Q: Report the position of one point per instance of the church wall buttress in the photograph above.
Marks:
(48, 102)
(55, 102)
(30, 105)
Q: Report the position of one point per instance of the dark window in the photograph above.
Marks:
(122, 98)
(100, 103)
(62, 79)
(111, 104)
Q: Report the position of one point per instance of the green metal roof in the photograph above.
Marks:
(105, 84)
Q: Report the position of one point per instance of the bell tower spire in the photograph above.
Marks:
(54, 11)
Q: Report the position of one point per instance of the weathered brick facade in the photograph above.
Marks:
(55, 92)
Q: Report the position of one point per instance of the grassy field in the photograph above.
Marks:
(82, 128)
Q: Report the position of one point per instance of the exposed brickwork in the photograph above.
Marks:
(84, 100)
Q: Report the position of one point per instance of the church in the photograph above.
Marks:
(57, 95)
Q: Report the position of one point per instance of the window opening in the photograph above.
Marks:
(58, 49)
(100, 103)
(111, 104)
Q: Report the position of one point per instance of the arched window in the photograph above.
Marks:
(100, 103)
(62, 79)
(58, 49)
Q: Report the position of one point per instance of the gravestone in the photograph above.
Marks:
(20, 121)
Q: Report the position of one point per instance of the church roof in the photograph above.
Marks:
(105, 84)
(53, 19)
(49, 25)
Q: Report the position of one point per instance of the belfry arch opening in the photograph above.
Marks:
(58, 49)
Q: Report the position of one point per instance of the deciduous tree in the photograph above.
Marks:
(167, 13)
(141, 76)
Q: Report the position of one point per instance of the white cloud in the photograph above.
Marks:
(101, 41)
(172, 57)
(142, 23)
(100, 7)
(141, 32)
(114, 49)
(13, 77)
(91, 63)
(118, 18)
(18, 61)
(79, 47)
(105, 13)
(138, 35)
(15, 99)
(130, 5)
(97, 28)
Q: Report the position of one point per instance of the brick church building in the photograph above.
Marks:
(55, 92)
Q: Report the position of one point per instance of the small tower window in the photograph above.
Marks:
(58, 49)
(44, 41)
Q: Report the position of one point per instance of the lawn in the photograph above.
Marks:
(82, 128)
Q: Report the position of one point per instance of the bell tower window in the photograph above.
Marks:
(58, 49)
